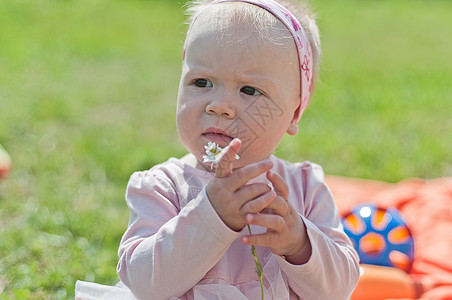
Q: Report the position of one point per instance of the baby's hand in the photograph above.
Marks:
(286, 233)
(230, 193)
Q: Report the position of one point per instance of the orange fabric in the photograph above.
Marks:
(384, 283)
(427, 209)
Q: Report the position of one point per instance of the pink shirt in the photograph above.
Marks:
(177, 247)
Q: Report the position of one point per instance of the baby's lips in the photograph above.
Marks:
(220, 139)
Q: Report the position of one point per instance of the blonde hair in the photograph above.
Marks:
(261, 21)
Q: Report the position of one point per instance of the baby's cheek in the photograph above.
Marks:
(264, 113)
(246, 130)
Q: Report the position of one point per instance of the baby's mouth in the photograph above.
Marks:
(217, 136)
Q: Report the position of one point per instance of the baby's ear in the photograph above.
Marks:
(293, 127)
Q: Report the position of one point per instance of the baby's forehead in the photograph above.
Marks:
(237, 21)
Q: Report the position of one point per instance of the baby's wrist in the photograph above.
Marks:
(302, 256)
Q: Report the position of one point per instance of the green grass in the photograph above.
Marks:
(382, 110)
(85, 87)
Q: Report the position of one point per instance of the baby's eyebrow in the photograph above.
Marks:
(196, 71)
(260, 81)
(198, 67)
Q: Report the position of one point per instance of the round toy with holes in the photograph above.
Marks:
(380, 236)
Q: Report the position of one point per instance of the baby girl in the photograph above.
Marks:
(247, 75)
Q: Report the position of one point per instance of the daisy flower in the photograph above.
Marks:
(214, 153)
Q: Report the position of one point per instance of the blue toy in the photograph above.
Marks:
(380, 236)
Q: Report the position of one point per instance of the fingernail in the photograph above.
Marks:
(235, 140)
(249, 218)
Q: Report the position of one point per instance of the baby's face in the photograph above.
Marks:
(237, 85)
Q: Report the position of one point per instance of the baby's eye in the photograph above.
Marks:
(202, 83)
(250, 91)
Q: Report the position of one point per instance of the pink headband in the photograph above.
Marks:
(300, 38)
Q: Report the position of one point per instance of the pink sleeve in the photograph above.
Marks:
(164, 251)
(332, 271)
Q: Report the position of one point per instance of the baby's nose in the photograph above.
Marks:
(222, 105)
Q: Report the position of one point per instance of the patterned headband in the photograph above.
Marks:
(300, 38)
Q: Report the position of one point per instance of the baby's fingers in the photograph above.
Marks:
(273, 223)
(259, 202)
(243, 175)
(280, 207)
(268, 239)
(279, 185)
(225, 163)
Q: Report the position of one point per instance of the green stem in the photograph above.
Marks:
(258, 265)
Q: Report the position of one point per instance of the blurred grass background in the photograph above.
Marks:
(88, 92)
